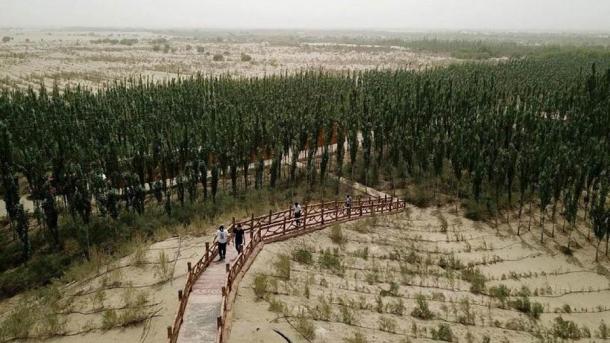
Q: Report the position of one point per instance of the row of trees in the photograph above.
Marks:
(526, 129)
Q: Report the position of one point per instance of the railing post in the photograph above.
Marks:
(270, 216)
(322, 213)
(179, 295)
(284, 227)
(305, 219)
(227, 267)
(360, 205)
(336, 209)
(188, 266)
(383, 205)
(169, 332)
(207, 250)
(372, 204)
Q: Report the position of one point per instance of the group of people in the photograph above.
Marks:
(222, 236)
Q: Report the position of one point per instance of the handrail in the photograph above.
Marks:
(271, 228)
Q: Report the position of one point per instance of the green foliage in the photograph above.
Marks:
(282, 266)
(302, 256)
(565, 329)
(245, 57)
(305, 327)
(387, 324)
(260, 286)
(331, 261)
(442, 333)
(218, 58)
(500, 292)
(476, 279)
(523, 304)
(336, 235)
(422, 311)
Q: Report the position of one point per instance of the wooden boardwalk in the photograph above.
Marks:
(207, 296)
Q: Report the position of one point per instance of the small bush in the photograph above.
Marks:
(523, 304)
(396, 308)
(276, 306)
(476, 279)
(387, 324)
(442, 333)
(501, 293)
(109, 319)
(305, 327)
(565, 329)
(336, 235)
(420, 197)
(328, 260)
(260, 286)
(246, 57)
(347, 315)
(282, 267)
(603, 331)
(218, 58)
(302, 256)
(422, 311)
(200, 49)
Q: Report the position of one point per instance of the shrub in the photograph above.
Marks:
(260, 286)
(347, 315)
(422, 311)
(328, 260)
(336, 235)
(218, 58)
(565, 329)
(603, 331)
(305, 327)
(476, 279)
(109, 319)
(420, 197)
(6, 39)
(442, 333)
(302, 256)
(246, 57)
(501, 293)
(322, 311)
(397, 307)
(282, 267)
(523, 304)
(276, 306)
(200, 49)
(387, 324)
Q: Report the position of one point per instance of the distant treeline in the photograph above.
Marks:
(124, 41)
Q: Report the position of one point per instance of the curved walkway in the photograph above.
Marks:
(207, 294)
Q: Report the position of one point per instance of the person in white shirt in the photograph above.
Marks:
(221, 238)
(348, 203)
(297, 213)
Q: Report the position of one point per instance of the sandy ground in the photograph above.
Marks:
(135, 282)
(69, 58)
(406, 250)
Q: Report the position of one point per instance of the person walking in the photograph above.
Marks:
(348, 203)
(297, 213)
(239, 238)
(221, 238)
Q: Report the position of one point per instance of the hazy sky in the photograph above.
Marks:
(546, 15)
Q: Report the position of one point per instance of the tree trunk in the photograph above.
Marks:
(542, 227)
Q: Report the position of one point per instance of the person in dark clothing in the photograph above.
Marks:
(297, 213)
(221, 238)
(239, 238)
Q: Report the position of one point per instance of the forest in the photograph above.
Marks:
(524, 132)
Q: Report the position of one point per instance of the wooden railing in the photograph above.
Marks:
(271, 228)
